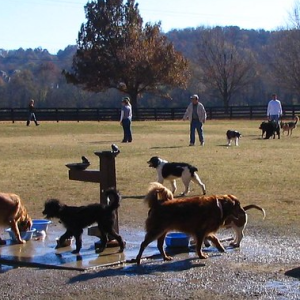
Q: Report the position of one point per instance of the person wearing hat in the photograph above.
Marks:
(196, 114)
(125, 120)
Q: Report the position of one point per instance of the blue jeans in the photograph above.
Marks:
(274, 118)
(126, 124)
(196, 125)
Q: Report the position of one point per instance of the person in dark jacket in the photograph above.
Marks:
(31, 113)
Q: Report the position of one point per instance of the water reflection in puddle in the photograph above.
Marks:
(285, 290)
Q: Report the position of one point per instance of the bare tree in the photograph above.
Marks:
(285, 55)
(116, 51)
(225, 67)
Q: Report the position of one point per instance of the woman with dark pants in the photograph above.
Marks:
(125, 120)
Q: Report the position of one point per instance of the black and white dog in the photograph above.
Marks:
(173, 170)
(233, 135)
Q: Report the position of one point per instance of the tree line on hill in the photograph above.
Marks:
(228, 66)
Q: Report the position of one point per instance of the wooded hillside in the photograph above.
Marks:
(35, 73)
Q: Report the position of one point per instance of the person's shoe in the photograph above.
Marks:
(191, 144)
(202, 144)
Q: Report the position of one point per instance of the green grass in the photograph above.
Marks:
(264, 172)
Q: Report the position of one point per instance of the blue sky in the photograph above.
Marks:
(54, 24)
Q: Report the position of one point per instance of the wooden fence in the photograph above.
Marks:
(113, 114)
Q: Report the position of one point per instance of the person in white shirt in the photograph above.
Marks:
(274, 110)
(196, 114)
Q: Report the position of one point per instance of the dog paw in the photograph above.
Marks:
(99, 250)
(234, 245)
(203, 256)
(168, 258)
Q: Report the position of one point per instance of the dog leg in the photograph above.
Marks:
(118, 238)
(67, 235)
(160, 246)
(174, 186)
(200, 240)
(78, 239)
(103, 239)
(196, 179)
(148, 239)
(216, 242)
(15, 229)
(239, 234)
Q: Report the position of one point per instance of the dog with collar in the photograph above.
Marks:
(198, 216)
(173, 170)
(233, 135)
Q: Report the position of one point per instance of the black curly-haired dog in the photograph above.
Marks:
(76, 218)
(270, 128)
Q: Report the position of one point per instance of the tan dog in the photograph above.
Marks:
(14, 214)
(199, 216)
(239, 224)
(289, 126)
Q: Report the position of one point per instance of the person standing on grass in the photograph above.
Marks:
(31, 113)
(125, 120)
(274, 110)
(196, 114)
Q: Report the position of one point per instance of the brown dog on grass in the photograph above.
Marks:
(289, 126)
(14, 214)
(199, 216)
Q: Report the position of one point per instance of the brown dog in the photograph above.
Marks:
(14, 214)
(199, 216)
(239, 224)
(289, 126)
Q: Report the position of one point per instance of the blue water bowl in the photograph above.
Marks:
(40, 224)
(25, 235)
(177, 240)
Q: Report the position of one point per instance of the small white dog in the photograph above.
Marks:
(173, 170)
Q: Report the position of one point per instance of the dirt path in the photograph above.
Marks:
(264, 268)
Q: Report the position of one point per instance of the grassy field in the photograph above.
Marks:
(263, 172)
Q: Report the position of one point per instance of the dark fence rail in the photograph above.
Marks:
(113, 114)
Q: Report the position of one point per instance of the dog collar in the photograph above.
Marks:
(220, 207)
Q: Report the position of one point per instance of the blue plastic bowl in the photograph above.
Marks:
(25, 235)
(177, 239)
(40, 224)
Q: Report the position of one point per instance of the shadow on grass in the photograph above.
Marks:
(143, 269)
(133, 197)
(168, 147)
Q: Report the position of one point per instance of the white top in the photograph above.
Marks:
(274, 108)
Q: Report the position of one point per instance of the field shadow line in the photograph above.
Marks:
(168, 147)
(143, 269)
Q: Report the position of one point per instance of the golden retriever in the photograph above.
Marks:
(14, 214)
(199, 216)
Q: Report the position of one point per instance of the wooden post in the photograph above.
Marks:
(107, 171)
(105, 176)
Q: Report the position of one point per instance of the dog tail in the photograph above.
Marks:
(114, 198)
(297, 119)
(256, 207)
(157, 193)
